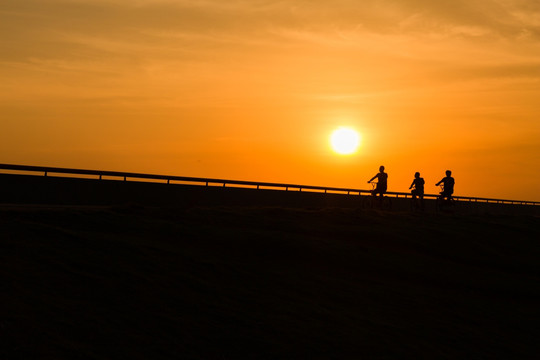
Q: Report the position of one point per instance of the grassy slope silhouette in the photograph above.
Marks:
(265, 282)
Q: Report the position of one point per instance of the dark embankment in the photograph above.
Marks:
(141, 282)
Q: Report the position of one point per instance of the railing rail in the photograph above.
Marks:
(100, 174)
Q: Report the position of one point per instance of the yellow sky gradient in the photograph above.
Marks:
(251, 90)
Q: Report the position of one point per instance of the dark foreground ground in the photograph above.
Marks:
(133, 282)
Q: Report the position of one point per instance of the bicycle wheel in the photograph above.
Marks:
(445, 205)
(417, 205)
(386, 203)
(438, 205)
(367, 202)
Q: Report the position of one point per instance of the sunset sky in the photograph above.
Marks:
(252, 89)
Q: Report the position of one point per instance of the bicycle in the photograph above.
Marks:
(373, 201)
(417, 201)
(445, 203)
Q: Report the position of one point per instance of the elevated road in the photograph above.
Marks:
(51, 185)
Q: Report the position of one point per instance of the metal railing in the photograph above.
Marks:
(169, 179)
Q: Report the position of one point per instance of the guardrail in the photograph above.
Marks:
(169, 179)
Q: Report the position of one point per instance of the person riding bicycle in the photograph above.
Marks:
(448, 186)
(382, 182)
(418, 184)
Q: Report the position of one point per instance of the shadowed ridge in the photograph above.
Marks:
(265, 282)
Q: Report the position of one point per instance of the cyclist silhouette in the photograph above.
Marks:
(448, 186)
(382, 182)
(418, 184)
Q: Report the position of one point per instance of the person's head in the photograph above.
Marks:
(417, 174)
(381, 169)
(448, 173)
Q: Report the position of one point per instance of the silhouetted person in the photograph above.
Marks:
(418, 184)
(448, 185)
(382, 182)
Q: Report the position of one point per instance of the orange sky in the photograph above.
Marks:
(251, 89)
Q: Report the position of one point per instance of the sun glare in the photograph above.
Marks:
(345, 141)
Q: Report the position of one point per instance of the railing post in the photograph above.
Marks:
(125, 178)
(45, 173)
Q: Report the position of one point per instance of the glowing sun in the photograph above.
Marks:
(345, 140)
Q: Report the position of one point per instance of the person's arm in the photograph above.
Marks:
(437, 184)
(376, 176)
(410, 187)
